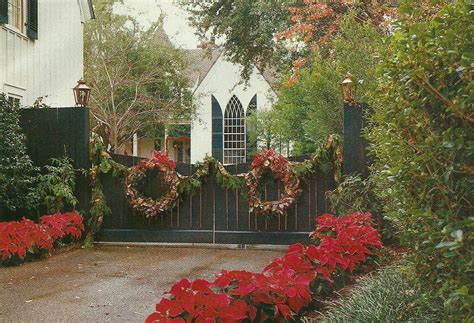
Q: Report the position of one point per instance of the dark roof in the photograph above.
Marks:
(271, 76)
(202, 60)
(200, 63)
(161, 37)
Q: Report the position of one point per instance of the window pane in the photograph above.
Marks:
(15, 14)
(234, 133)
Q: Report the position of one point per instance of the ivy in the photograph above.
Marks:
(99, 209)
(102, 164)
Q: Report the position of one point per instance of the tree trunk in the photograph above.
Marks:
(114, 144)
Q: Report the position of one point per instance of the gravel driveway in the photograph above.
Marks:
(110, 283)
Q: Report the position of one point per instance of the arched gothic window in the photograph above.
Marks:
(234, 132)
(217, 129)
(251, 141)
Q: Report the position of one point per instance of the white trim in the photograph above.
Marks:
(234, 132)
(13, 30)
(15, 96)
(222, 56)
(13, 90)
(23, 5)
(21, 88)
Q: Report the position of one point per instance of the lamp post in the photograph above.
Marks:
(348, 88)
(81, 93)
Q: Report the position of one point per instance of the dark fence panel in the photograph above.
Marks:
(355, 159)
(56, 132)
(212, 214)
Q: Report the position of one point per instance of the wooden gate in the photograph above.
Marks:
(213, 214)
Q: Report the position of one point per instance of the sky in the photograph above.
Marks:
(175, 23)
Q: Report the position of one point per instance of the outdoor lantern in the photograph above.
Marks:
(348, 88)
(81, 93)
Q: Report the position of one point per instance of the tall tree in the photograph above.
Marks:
(276, 32)
(137, 79)
(315, 23)
(246, 27)
(311, 109)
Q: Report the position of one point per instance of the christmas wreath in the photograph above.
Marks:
(281, 169)
(146, 205)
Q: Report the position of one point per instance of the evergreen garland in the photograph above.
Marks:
(102, 164)
(327, 158)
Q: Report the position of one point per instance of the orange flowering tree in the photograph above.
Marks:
(316, 22)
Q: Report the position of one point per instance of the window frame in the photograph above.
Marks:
(15, 97)
(234, 133)
(23, 17)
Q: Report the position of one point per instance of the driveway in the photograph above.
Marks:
(110, 283)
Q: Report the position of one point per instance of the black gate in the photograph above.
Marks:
(213, 214)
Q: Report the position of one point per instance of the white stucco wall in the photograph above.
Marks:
(222, 81)
(50, 65)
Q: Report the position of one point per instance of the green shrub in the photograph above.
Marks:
(56, 187)
(423, 143)
(387, 296)
(355, 194)
(17, 173)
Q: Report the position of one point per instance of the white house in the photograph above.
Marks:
(41, 49)
(221, 101)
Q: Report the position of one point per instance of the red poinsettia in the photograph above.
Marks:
(20, 237)
(60, 225)
(283, 288)
(158, 159)
(197, 302)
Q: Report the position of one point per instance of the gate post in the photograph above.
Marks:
(354, 143)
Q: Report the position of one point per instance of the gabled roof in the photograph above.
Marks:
(161, 37)
(200, 63)
(272, 76)
(202, 60)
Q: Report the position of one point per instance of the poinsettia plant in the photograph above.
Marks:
(61, 225)
(158, 159)
(18, 237)
(284, 288)
(25, 236)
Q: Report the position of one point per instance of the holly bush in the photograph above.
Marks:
(423, 143)
(17, 173)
